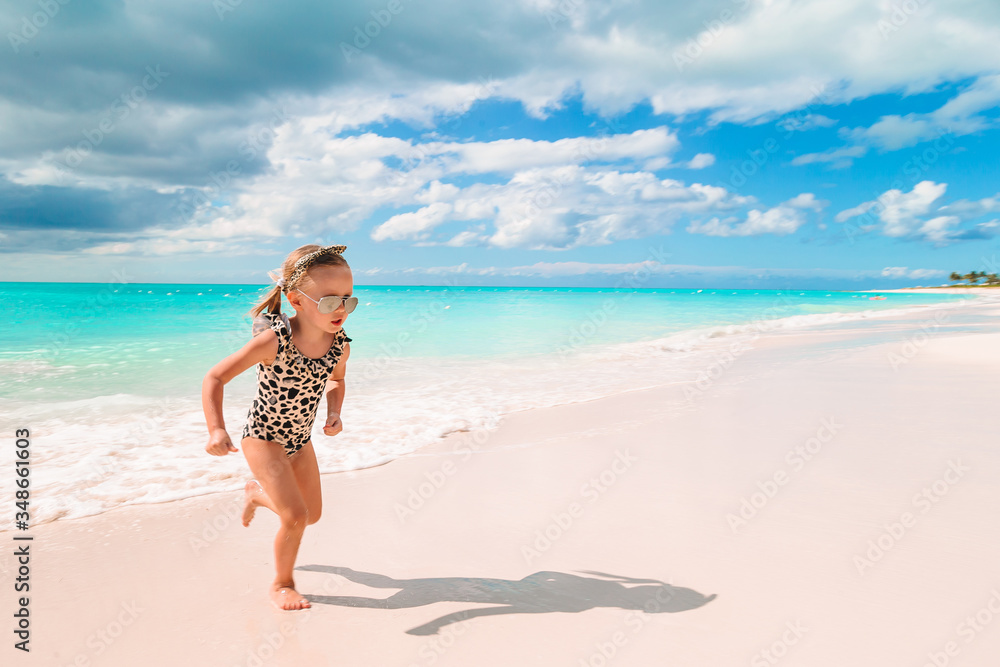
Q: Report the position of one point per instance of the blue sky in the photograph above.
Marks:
(735, 143)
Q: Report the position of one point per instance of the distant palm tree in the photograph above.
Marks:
(992, 279)
(972, 277)
(955, 275)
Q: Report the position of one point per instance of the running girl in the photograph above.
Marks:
(299, 361)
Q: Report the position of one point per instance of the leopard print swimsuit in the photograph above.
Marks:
(289, 390)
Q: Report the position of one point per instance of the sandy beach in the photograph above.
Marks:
(825, 498)
(943, 290)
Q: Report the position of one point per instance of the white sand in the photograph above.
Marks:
(913, 408)
(942, 290)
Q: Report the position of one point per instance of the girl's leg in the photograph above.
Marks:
(273, 471)
(306, 471)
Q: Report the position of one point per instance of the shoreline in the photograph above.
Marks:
(941, 290)
(545, 507)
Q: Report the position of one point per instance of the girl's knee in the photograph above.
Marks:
(294, 517)
(313, 517)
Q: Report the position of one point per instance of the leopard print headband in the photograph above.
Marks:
(304, 262)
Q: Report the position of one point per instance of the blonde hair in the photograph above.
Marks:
(294, 269)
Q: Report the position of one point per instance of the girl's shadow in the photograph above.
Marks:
(535, 594)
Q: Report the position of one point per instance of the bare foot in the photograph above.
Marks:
(252, 489)
(287, 598)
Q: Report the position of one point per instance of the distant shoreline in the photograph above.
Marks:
(973, 289)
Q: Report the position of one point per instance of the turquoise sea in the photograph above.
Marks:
(108, 376)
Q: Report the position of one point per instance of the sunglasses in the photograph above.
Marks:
(328, 304)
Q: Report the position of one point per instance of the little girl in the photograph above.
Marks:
(299, 360)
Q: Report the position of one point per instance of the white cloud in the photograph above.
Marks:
(809, 121)
(509, 155)
(737, 102)
(894, 132)
(654, 267)
(939, 229)
(656, 164)
(558, 208)
(701, 160)
(557, 194)
(894, 272)
(163, 247)
(589, 268)
(900, 272)
(901, 211)
(767, 59)
(436, 191)
(860, 209)
(971, 209)
(838, 158)
(781, 220)
(919, 214)
(467, 237)
(807, 200)
(963, 114)
(320, 182)
(412, 225)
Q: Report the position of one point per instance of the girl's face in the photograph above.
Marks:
(323, 281)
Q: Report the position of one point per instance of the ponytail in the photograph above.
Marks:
(271, 303)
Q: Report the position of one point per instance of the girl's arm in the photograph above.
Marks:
(335, 390)
(262, 348)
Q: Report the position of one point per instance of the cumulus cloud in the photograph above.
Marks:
(901, 212)
(554, 195)
(412, 225)
(333, 182)
(919, 214)
(565, 207)
(780, 220)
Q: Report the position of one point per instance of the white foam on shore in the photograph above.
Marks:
(693, 339)
(95, 454)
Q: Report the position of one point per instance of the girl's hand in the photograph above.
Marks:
(333, 424)
(219, 443)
